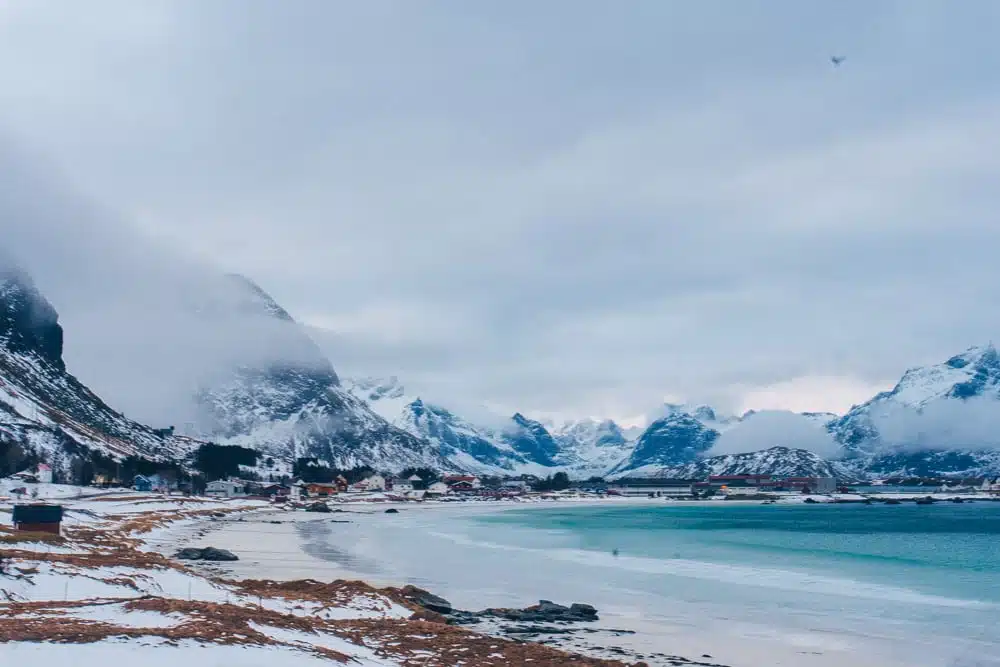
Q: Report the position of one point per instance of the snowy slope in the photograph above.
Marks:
(44, 410)
(506, 445)
(676, 439)
(776, 461)
(592, 447)
(291, 404)
(939, 419)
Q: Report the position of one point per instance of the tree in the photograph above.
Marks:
(557, 482)
(221, 461)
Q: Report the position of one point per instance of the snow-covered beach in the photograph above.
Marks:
(429, 545)
(103, 587)
(115, 570)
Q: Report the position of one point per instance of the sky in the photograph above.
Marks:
(573, 208)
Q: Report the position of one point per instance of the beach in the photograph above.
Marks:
(658, 607)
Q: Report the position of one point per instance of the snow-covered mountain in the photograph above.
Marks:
(497, 444)
(942, 419)
(776, 461)
(291, 404)
(45, 412)
(674, 440)
(592, 447)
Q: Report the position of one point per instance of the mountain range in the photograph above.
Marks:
(938, 420)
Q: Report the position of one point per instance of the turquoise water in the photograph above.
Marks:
(789, 585)
(948, 551)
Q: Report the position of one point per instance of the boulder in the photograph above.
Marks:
(208, 553)
(318, 507)
(213, 554)
(392, 510)
(426, 600)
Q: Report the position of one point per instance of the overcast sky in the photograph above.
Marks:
(574, 207)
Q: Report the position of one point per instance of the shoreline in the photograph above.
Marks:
(105, 582)
(321, 546)
(345, 548)
(613, 637)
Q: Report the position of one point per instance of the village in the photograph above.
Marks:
(425, 485)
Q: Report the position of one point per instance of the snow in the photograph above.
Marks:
(188, 653)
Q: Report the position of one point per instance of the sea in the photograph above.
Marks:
(750, 585)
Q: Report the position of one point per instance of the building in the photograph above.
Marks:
(654, 486)
(517, 485)
(438, 489)
(472, 480)
(321, 489)
(373, 483)
(142, 483)
(226, 488)
(38, 518)
(44, 473)
(818, 485)
(400, 485)
(461, 486)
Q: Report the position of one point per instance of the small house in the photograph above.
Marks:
(514, 485)
(226, 488)
(471, 480)
(373, 483)
(44, 473)
(276, 491)
(400, 485)
(322, 489)
(142, 483)
(461, 486)
(438, 489)
(38, 518)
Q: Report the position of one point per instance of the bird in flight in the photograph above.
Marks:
(836, 60)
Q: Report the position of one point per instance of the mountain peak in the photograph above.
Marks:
(28, 322)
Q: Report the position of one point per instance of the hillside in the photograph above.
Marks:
(45, 412)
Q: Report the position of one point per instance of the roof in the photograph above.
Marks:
(728, 478)
(37, 513)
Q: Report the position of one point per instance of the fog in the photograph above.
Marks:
(943, 424)
(773, 428)
(146, 326)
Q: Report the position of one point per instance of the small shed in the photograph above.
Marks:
(142, 483)
(38, 518)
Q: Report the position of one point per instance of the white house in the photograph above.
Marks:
(402, 486)
(515, 485)
(44, 474)
(438, 489)
(373, 483)
(227, 488)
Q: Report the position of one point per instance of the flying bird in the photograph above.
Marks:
(836, 60)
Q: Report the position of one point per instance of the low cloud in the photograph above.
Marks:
(773, 428)
(944, 424)
(145, 326)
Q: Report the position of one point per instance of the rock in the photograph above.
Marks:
(208, 553)
(584, 610)
(392, 510)
(426, 600)
(810, 501)
(318, 507)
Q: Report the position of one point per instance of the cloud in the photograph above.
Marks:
(145, 326)
(944, 424)
(776, 428)
(566, 208)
